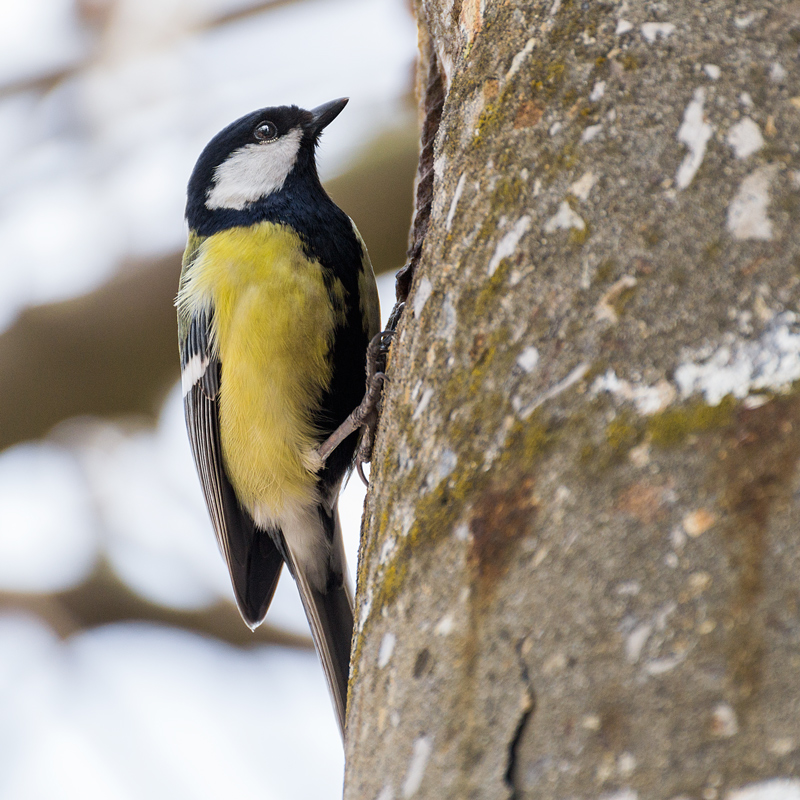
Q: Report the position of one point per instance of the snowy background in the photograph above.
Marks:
(104, 106)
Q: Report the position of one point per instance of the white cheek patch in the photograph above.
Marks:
(194, 370)
(253, 171)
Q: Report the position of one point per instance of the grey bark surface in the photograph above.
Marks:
(580, 564)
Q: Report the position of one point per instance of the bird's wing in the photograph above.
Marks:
(254, 561)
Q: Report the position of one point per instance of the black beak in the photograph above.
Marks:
(323, 115)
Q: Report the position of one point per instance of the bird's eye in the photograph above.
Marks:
(265, 131)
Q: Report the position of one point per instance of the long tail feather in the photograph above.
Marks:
(330, 615)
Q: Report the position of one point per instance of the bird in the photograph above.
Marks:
(277, 303)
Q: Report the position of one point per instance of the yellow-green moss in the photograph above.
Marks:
(712, 250)
(622, 433)
(492, 289)
(629, 62)
(507, 194)
(672, 426)
(527, 441)
(622, 299)
(437, 509)
(596, 368)
(554, 73)
(605, 272)
(569, 97)
(578, 236)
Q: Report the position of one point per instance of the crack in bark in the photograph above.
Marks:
(528, 706)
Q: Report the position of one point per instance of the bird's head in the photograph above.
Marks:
(253, 157)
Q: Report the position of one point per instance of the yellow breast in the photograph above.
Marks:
(274, 322)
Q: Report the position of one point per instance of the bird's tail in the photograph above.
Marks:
(327, 601)
(330, 615)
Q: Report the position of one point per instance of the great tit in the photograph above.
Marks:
(276, 306)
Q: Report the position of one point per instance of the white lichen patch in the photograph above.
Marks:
(628, 588)
(777, 72)
(745, 138)
(445, 626)
(462, 532)
(448, 223)
(591, 722)
(626, 764)
(660, 666)
(723, 721)
(519, 58)
(598, 90)
(583, 185)
(604, 310)
(647, 399)
(439, 166)
(695, 133)
(744, 22)
(365, 608)
(421, 752)
(782, 746)
(387, 550)
(564, 219)
(770, 363)
(591, 132)
(772, 789)
(744, 369)
(424, 290)
(528, 359)
(663, 613)
(524, 411)
(657, 30)
(747, 212)
(508, 244)
(423, 404)
(639, 456)
(386, 649)
(448, 321)
(698, 583)
(636, 641)
(443, 468)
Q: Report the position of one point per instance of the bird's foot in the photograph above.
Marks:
(365, 416)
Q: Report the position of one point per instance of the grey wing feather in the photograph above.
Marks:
(254, 561)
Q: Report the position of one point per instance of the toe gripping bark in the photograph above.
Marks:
(365, 416)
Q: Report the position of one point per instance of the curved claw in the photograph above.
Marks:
(365, 415)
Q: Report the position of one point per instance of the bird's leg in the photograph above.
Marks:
(365, 415)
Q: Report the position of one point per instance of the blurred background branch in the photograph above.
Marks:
(103, 599)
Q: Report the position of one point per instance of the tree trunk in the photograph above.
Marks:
(580, 564)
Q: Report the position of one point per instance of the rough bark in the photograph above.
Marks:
(579, 567)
